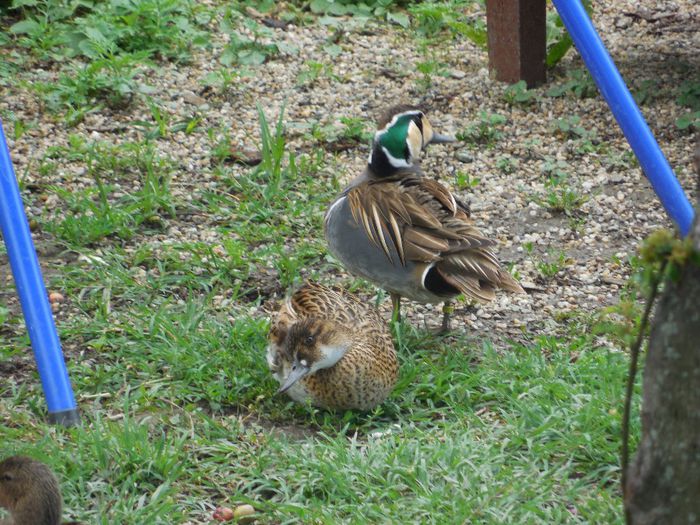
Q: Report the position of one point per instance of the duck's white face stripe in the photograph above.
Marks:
(397, 163)
(331, 355)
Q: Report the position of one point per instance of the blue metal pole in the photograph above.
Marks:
(623, 106)
(33, 297)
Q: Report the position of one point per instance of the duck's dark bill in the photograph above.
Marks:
(295, 375)
(441, 139)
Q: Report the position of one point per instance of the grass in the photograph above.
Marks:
(165, 318)
(175, 427)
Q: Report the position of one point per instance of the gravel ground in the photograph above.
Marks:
(377, 68)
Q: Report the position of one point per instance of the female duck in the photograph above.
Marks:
(328, 348)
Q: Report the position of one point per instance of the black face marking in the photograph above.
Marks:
(302, 340)
(418, 119)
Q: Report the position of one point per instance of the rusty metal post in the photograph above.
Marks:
(517, 40)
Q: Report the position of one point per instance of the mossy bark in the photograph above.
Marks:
(663, 483)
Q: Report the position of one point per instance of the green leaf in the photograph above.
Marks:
(287, 48)
(251, 57)
(28, 26)
(558, 50)
(319, 6)
(330, 21)
(339, 9)
(333, 50)
(689, 120)
(477, 35)
(399, 18)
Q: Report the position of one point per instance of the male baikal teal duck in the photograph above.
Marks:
(407, 233)
(329, 348)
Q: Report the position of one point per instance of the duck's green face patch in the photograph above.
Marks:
(401, 140)
(393, 138)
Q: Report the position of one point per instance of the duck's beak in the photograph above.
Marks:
(298, 371)
(442, 139)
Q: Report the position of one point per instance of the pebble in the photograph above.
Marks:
(464, 155)
(56, 298)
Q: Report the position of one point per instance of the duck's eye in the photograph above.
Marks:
(309, 340)
(6, 477)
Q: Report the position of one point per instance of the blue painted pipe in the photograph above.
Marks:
(33, 297)
(623, 106)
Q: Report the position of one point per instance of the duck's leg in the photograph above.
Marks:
(395, 308)
(447, 309)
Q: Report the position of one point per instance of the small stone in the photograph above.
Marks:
(242, 511)
(456, 73)
(464, 155)
(193, 99)
(223, 514)
(56, 297)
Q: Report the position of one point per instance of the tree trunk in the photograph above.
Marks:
(663, 483)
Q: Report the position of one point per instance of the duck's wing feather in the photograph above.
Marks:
(424, 223)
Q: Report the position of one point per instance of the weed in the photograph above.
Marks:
(551, 266)
(519, 94)
(355, 128)
(559, 196)
(507, 164)
(241, 49)
(313, 71)
(689, 96)
(59, 29)
(360, 11)
(160, 127)
(110, 80)
(646, 92)
(622, 161)
(272, 149)
(561, 199)
(464, 181)
(96, 212)
(548, 266)
(223, 78)
(428, 69)
(579, 83)
(19, 127)
(558, 40)
(220, 140)
(43, 26)
(485, 131)
(569, 127)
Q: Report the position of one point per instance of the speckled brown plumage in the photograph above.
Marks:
(317, 320)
